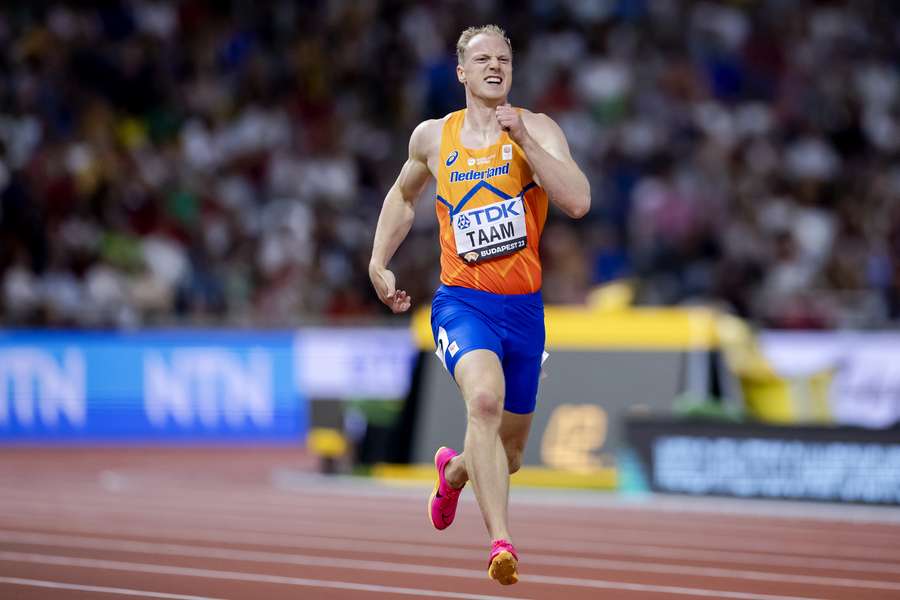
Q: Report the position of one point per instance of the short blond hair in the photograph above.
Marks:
(466, 36)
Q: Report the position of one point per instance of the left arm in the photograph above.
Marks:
(546, 148)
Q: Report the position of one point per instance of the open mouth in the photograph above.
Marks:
(493, 80)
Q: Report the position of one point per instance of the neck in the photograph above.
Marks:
(480, 114)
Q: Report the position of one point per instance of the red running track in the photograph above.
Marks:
(254, 524)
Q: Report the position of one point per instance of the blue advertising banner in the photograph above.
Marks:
(161, 386)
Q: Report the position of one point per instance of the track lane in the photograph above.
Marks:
(603, 574)
(539, 587)
(338, 523)
(135, 523)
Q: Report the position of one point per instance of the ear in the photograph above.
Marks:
(460, 74)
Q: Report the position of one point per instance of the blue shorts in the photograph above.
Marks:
(510, 326)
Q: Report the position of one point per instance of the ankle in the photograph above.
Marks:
(503, 542)
(453, 475)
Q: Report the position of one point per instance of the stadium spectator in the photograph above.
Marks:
(203, 163)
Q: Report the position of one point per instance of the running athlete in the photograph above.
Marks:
(495, 166)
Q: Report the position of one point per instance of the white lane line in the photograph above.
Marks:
(115, 565)
(340, 527)
(691, 508)
(289, 480)
(723, 543)
(46, 559)
(625, 510)
(687, 506)
(452, 548)
(195, 551)
(647, 524)
(639, 587)
(619, 509)
(317, 560)
(59, 585)
(671, 504)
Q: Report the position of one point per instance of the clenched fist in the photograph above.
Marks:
(511, 122)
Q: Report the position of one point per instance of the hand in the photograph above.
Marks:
(385, 286)
(511, 122)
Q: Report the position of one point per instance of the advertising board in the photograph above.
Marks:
(865, 388)
(150, 386)
(837, 464)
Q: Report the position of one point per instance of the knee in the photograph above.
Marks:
(485, 407)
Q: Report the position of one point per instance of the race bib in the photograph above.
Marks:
(490, 231)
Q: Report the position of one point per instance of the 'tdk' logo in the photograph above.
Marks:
(452, 158)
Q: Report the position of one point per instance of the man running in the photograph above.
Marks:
(495, 166)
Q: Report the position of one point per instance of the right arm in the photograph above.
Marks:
(397, 214)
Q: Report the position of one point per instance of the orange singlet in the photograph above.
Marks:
(491, 214)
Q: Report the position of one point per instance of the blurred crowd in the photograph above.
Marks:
(224, 162)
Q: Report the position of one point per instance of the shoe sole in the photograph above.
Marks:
(504, 569)
(434, 493)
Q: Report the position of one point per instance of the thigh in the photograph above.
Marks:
(479, 370)
(458, 329)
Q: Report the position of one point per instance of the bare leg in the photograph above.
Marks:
(514, 430)
(480, 379)
(494, 441)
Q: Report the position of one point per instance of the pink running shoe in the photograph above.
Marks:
(503, 564)
(443, 501)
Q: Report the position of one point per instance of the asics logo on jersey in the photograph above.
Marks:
(452, 158)
(477, 175)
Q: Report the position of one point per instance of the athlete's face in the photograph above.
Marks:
(487, 67)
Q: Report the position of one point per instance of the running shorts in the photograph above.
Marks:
(510, 326)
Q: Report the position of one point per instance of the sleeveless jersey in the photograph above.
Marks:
(491, 214)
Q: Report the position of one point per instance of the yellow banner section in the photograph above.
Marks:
(570, 328)
(598, 326)
(604, 478)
